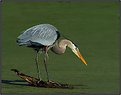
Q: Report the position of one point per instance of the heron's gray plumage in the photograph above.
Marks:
(44, 37)
(44, 34)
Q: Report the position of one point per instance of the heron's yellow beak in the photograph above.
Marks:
(76, 51)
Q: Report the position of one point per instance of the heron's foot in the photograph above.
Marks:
(53, 84)
(50, 81)
(39, 78)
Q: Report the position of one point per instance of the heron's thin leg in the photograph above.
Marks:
(37, 66)
(45, 63)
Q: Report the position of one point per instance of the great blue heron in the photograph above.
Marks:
(44, 37)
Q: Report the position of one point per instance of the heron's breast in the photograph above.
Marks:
(58, 50)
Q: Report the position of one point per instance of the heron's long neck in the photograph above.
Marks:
(60, 46)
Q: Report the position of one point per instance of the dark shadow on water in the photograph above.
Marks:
(24, 83)
(15, 82)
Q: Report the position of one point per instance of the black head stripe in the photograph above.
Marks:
(74, 43)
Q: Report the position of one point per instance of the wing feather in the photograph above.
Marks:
(44, 34)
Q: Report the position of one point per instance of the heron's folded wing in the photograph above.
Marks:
(44, 34)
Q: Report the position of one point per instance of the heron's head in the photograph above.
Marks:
(76, 51)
